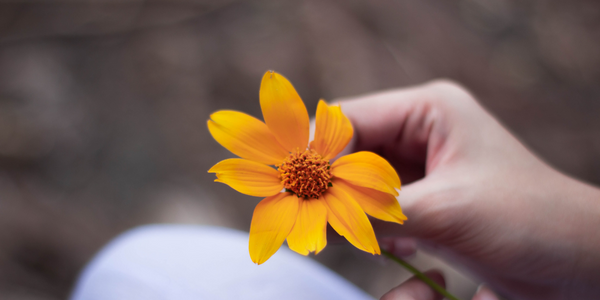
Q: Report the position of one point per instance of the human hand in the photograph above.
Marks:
(478, 197)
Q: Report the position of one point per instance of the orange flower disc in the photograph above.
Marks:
(306, 174)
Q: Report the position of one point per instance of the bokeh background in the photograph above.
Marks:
(103, 105)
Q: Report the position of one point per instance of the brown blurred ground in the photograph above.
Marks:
(103, 105)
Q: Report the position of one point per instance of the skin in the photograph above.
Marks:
(414, 289)
(476, 196)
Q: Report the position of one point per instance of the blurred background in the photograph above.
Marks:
(103, 106)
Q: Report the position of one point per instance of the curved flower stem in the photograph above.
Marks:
(420, 275)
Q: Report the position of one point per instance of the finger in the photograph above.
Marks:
(425, 219)
(380, 119)
(484, 293)
(415, 289)
(410, 127)
(426, 215)
(396, 125)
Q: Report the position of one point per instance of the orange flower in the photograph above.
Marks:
(304, 191)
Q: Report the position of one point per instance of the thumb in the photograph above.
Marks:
(425, 203)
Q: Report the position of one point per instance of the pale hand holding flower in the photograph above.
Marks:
(485, 202)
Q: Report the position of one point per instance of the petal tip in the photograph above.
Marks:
(256, 261)
(269, 74)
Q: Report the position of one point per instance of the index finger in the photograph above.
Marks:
(410, 126)
(390, 118)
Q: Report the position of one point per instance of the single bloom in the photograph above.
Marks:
(303, 190)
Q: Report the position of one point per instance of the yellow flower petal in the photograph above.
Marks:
(349, 220)
(272, 222)
(246, 136)
(284, 112)
(309, 232)
(367, 169)
(248, 177)
(378, 204)
(333, 130)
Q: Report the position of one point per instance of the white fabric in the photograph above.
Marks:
(169, 262)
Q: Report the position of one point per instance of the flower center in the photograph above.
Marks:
(306, 174)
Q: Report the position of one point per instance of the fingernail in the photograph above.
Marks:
(484, 293)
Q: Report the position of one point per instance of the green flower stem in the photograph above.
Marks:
(420, 275)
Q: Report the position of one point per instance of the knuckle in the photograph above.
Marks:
(448, 90)
(446, 85)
